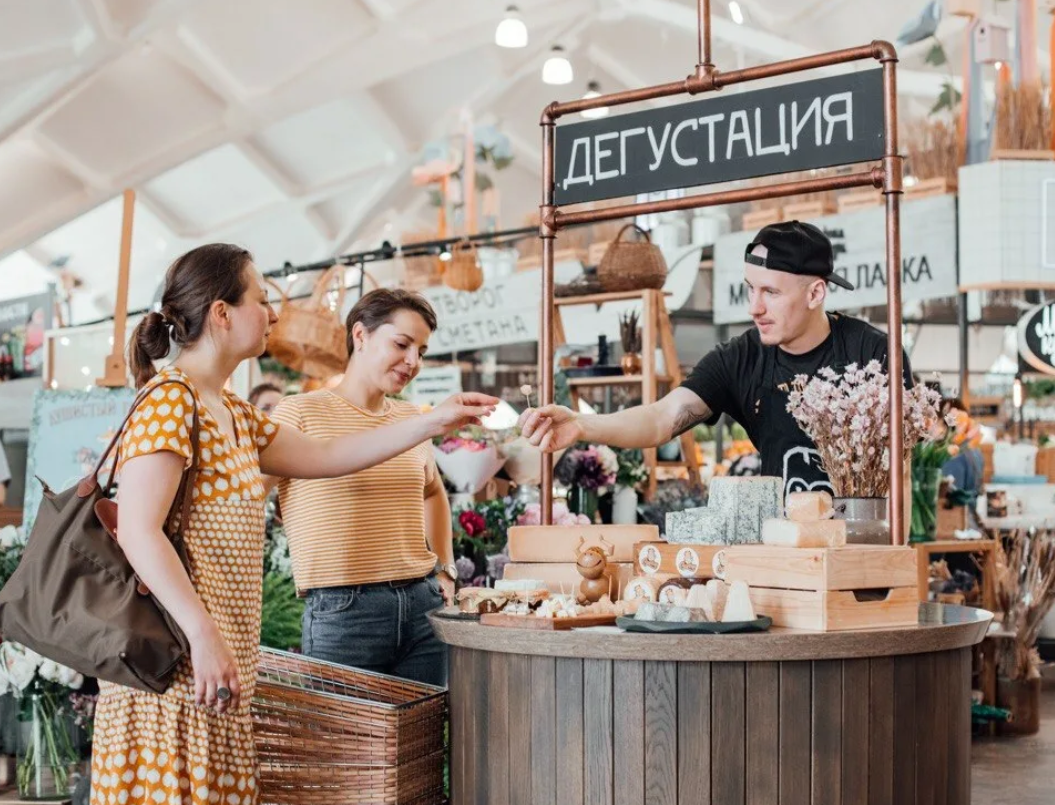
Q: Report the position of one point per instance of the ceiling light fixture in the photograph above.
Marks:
(736, 12)
(593, 90)
(557, 69)
(291, 277)
(511, 31)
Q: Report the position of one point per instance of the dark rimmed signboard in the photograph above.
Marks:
(821, 123)
(1036, 338)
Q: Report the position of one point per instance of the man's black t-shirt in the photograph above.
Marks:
(750, 382)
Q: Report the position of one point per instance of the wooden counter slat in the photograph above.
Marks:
(960, 724)
(543, 728)
(795, 742)
(855, 733)
(520, 744)
(763, 732)
(598, 728)
(569, 732)
(628, 752)
(661, 733)
(942, 713)
(881, 731)
(728, 731)
(480, 706)
(498, 724)
(461, 678)
(694, 734)
(926, 719)
(827, 736)
(904, 724)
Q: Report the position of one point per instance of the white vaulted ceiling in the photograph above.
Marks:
(291, 126)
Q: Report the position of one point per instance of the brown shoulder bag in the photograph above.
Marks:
(75, 598)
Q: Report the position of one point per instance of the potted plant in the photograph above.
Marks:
(480, 538)
(630, 335)
(587, 472)
(928, 459)
(847, 417)
(1025, 588)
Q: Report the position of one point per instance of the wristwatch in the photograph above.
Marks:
(451, 571)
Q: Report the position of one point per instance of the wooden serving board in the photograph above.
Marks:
(546, 624)
(854, 567)
(668, 557)
(837, 610)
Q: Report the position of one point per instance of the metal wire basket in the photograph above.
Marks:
(327, 734)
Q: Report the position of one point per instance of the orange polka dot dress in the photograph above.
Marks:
(165, 749)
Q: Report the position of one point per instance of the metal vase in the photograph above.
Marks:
(866, 519)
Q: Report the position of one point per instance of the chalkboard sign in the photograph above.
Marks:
(68, 433)
(793, 127)
(1036, 338)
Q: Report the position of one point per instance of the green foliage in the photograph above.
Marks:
(949, 98)
(632, 471)
(282, 610)
(936, 55)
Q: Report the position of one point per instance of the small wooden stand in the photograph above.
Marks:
(655, 332)
(115, 373)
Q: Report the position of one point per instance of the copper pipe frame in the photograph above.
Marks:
(887, 176)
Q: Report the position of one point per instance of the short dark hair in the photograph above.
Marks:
(261, 390)
(379, 306)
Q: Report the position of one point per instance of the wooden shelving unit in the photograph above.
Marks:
(656, 333)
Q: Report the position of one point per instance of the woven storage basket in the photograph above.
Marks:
(632, 266)
(462, 272)
(331, 735)
(309, 336)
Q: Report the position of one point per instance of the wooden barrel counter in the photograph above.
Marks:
(878, 717)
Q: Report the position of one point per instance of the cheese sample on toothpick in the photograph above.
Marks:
(808, 507)
(818, 534)
(738, 608)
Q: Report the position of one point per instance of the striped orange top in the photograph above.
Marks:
(362, 528)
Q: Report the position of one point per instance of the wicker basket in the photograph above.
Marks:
(331, 735)
(309, 336)
(632, 266)
(462, 272)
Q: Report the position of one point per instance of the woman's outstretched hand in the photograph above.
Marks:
(459, 410)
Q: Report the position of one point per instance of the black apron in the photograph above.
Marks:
(787, 452)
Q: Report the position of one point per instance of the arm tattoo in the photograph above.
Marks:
(687, 419)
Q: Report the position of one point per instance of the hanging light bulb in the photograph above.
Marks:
(593, 90)
(736, 12)
(557, 69)
(511, 31)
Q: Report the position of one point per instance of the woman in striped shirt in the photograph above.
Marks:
(372, 552)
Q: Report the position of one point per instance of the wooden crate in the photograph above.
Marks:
(668, 557)
(837, 610)
(855, 567)
(756, 220)
(1046, 463)
(950, 521)
(563, 577)
(930, 187)
(807, 210)
(859, 200)
(541, 543)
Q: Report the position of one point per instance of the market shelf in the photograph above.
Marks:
(614, 380)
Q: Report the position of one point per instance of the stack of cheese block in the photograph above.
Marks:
(734, 514)
(808, 523)
(805, 576)
(547, 554)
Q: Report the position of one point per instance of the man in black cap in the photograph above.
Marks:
(787, 270)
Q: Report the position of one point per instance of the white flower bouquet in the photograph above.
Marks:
(848, 418)
(43, 688)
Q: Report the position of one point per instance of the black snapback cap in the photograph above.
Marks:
(796, 248)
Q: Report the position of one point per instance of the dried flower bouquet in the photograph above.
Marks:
(847, 417)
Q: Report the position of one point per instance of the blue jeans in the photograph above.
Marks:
(378, 628)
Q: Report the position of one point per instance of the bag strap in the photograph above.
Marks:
(182, 501)
(644, 234)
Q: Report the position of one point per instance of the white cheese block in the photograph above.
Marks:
(738, 608)
(643, 588)
(808, 507)
(818, 534)
(717, 595)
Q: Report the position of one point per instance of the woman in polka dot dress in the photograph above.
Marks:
(193, 745)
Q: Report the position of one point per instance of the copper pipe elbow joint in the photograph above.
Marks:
(884, 51)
